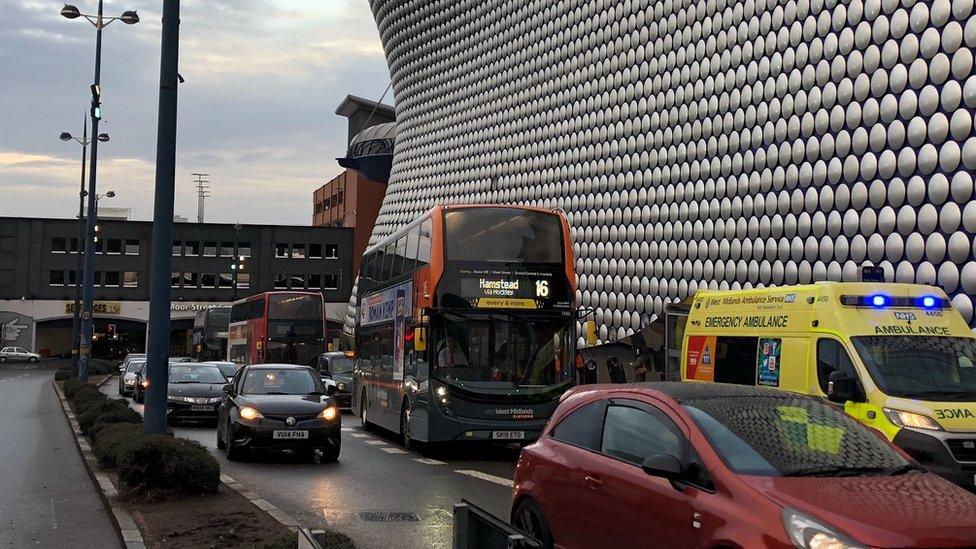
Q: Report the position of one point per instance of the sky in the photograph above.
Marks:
(257, 110)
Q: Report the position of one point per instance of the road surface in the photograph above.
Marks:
(379, 494)
(49, 500)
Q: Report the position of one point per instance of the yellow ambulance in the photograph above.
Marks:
(897, 356)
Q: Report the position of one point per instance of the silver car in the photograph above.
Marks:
(18, 354)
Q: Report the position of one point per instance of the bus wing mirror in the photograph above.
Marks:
(590, 328)
(841, 388)
(420, 338)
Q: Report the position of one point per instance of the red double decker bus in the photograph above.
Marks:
(277, 327)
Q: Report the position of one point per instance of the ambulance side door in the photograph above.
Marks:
(831, 355)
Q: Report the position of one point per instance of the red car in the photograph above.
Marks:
(714, 465)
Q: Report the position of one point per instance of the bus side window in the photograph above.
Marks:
(410, 252)
(831, 357)
(423, 248)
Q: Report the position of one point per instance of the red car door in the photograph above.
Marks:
(635, 509)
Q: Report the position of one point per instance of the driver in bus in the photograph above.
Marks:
(451, 355)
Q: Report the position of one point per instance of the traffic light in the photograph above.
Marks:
(97, 113)
(96, 92)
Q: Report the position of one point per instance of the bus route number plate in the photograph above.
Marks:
(508, 435)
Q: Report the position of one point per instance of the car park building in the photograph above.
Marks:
(37, 277)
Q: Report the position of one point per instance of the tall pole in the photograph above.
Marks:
(84, 345)
(237, 262)
(159, 280)
(75, 325)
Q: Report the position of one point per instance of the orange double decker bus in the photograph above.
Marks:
(466, 327)
(277, 327)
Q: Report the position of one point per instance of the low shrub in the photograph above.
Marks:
(157, 465)
(109, 440)
(85, 399)
(72, 386)
(62, 374)
(93, 414)
(101, 367)
(117, 415)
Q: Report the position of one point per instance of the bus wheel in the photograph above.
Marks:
(405, 437)
(362, 412)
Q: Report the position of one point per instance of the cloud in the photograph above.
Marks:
(263, 79)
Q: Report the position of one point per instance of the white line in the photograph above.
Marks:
(376, 442)
(485, 476)
(360, 435)
(393, 450)
(428, 461)
(14, 377)
(347, 429)
(54, 521)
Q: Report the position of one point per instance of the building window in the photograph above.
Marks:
(131, 247)
(74, 246)
(174, 279)
(59, 245)
(244, 249)
(57, 278)
(297, 282)
(226, 249)
(113, 279)
(191, 280)
(209, 249)
(244, 280)
(280, 282)
(281, 250)
(73, 278)
(98, 278)
(226, 280)
(314, 281)
(315, 251)
(330, 282)
(98, 246)
(130, 279)
(177, 248)
(298, 251)
(114, 246)
(331, 251)
(208, 280)
(191, 249)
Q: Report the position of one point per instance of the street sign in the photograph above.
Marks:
(86, 315)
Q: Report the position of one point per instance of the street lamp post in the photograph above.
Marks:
(100, 22)
(238, 259)
(75, 329)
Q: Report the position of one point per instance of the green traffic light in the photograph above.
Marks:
(97, 113)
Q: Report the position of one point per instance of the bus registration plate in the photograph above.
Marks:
(508, 435)
(290, 434)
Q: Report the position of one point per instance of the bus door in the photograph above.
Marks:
(676, 316)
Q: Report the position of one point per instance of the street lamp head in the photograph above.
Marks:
(129, 17)
(103, 137)
(65, 136)
(70, 12)
(110, 194)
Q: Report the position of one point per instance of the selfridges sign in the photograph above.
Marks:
(713, 144)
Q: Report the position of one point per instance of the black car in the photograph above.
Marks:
(339, 366)
(278, 407)
(226, 368)
(142, 380)
(195, 391)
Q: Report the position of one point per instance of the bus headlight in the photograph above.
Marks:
(912, 420)
(441, 393)
(329, 413)
(249, 413)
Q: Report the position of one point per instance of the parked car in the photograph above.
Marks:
(708, 465)
(226, 368)
(194, 391)
(278, 407)
(18, 354)
(130, 377)
(338, 367)
(128, 358)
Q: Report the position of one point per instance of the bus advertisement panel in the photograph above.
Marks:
(277, 327)
(467, 325)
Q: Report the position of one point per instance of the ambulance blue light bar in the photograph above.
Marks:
(883, 301)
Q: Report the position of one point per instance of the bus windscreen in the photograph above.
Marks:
(504, 235)
(295, 307)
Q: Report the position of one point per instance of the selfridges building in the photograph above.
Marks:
(692, 144)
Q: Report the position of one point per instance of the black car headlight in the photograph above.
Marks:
(330, 413)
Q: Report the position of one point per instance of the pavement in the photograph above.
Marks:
(378, 493)
(49, 498)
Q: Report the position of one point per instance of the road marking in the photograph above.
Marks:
(54, 521)
(376, 442)
(360, 435)
(428, 461)
(14, 377)
(485, 476)
(347, 429)
(393, 450)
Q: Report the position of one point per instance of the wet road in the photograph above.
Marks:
(374, 479)
(49, 500)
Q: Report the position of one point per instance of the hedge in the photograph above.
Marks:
(109, 439)
(93, 414)
(155, 465)
(62, 374)
(72, 386)
(85, 399)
